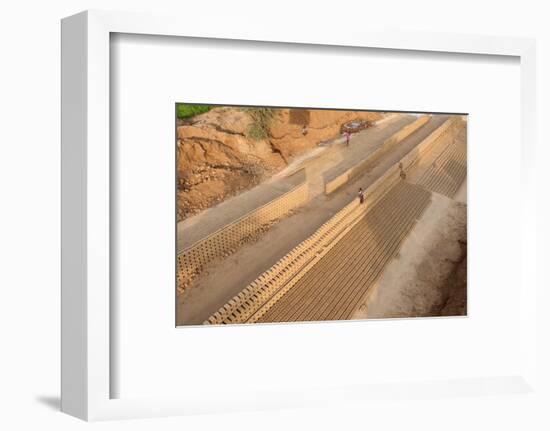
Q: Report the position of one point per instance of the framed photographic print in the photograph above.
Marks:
(240, 237)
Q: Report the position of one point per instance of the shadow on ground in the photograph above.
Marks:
(53, 402)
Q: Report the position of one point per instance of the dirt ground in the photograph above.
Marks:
(456, 287)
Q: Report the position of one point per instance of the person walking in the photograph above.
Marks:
(348, 134)
(361, 195)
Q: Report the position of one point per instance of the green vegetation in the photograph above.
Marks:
(261, 117)
(186, 111)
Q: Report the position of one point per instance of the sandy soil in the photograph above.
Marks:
(462, 193)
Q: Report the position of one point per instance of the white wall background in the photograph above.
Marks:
(142, 116)
(30, 182)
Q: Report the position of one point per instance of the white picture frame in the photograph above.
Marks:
(86, 313)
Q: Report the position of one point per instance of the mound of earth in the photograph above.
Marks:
(216, 157)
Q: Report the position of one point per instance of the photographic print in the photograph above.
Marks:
(298, 214)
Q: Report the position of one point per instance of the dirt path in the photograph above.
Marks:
(221, 280)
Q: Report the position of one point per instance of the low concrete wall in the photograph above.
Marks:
(229, 237)
(353, 172)
(337, 182)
